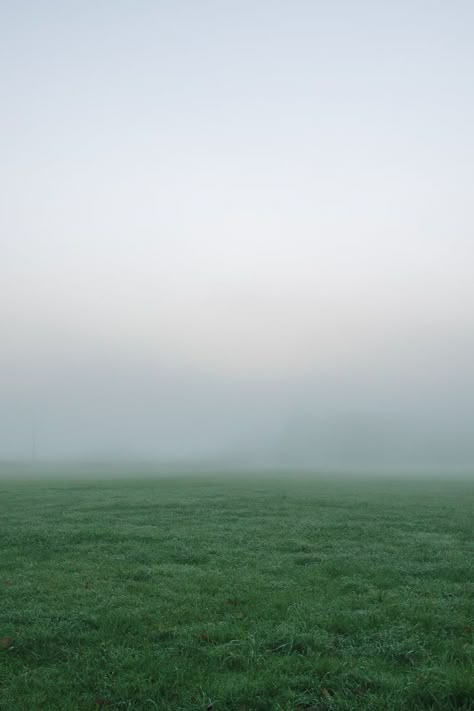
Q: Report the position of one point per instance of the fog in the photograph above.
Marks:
(238, 232)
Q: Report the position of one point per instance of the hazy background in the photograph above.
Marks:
(239, 230)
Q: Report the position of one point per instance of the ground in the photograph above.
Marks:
(247, 593)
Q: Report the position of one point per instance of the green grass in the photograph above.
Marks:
(246, 594)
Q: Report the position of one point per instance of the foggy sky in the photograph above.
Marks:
(238, 230)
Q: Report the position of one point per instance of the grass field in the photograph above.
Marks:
(246, 594)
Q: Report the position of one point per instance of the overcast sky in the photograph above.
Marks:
(232, 226)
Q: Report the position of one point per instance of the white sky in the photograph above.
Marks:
(243, 190)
